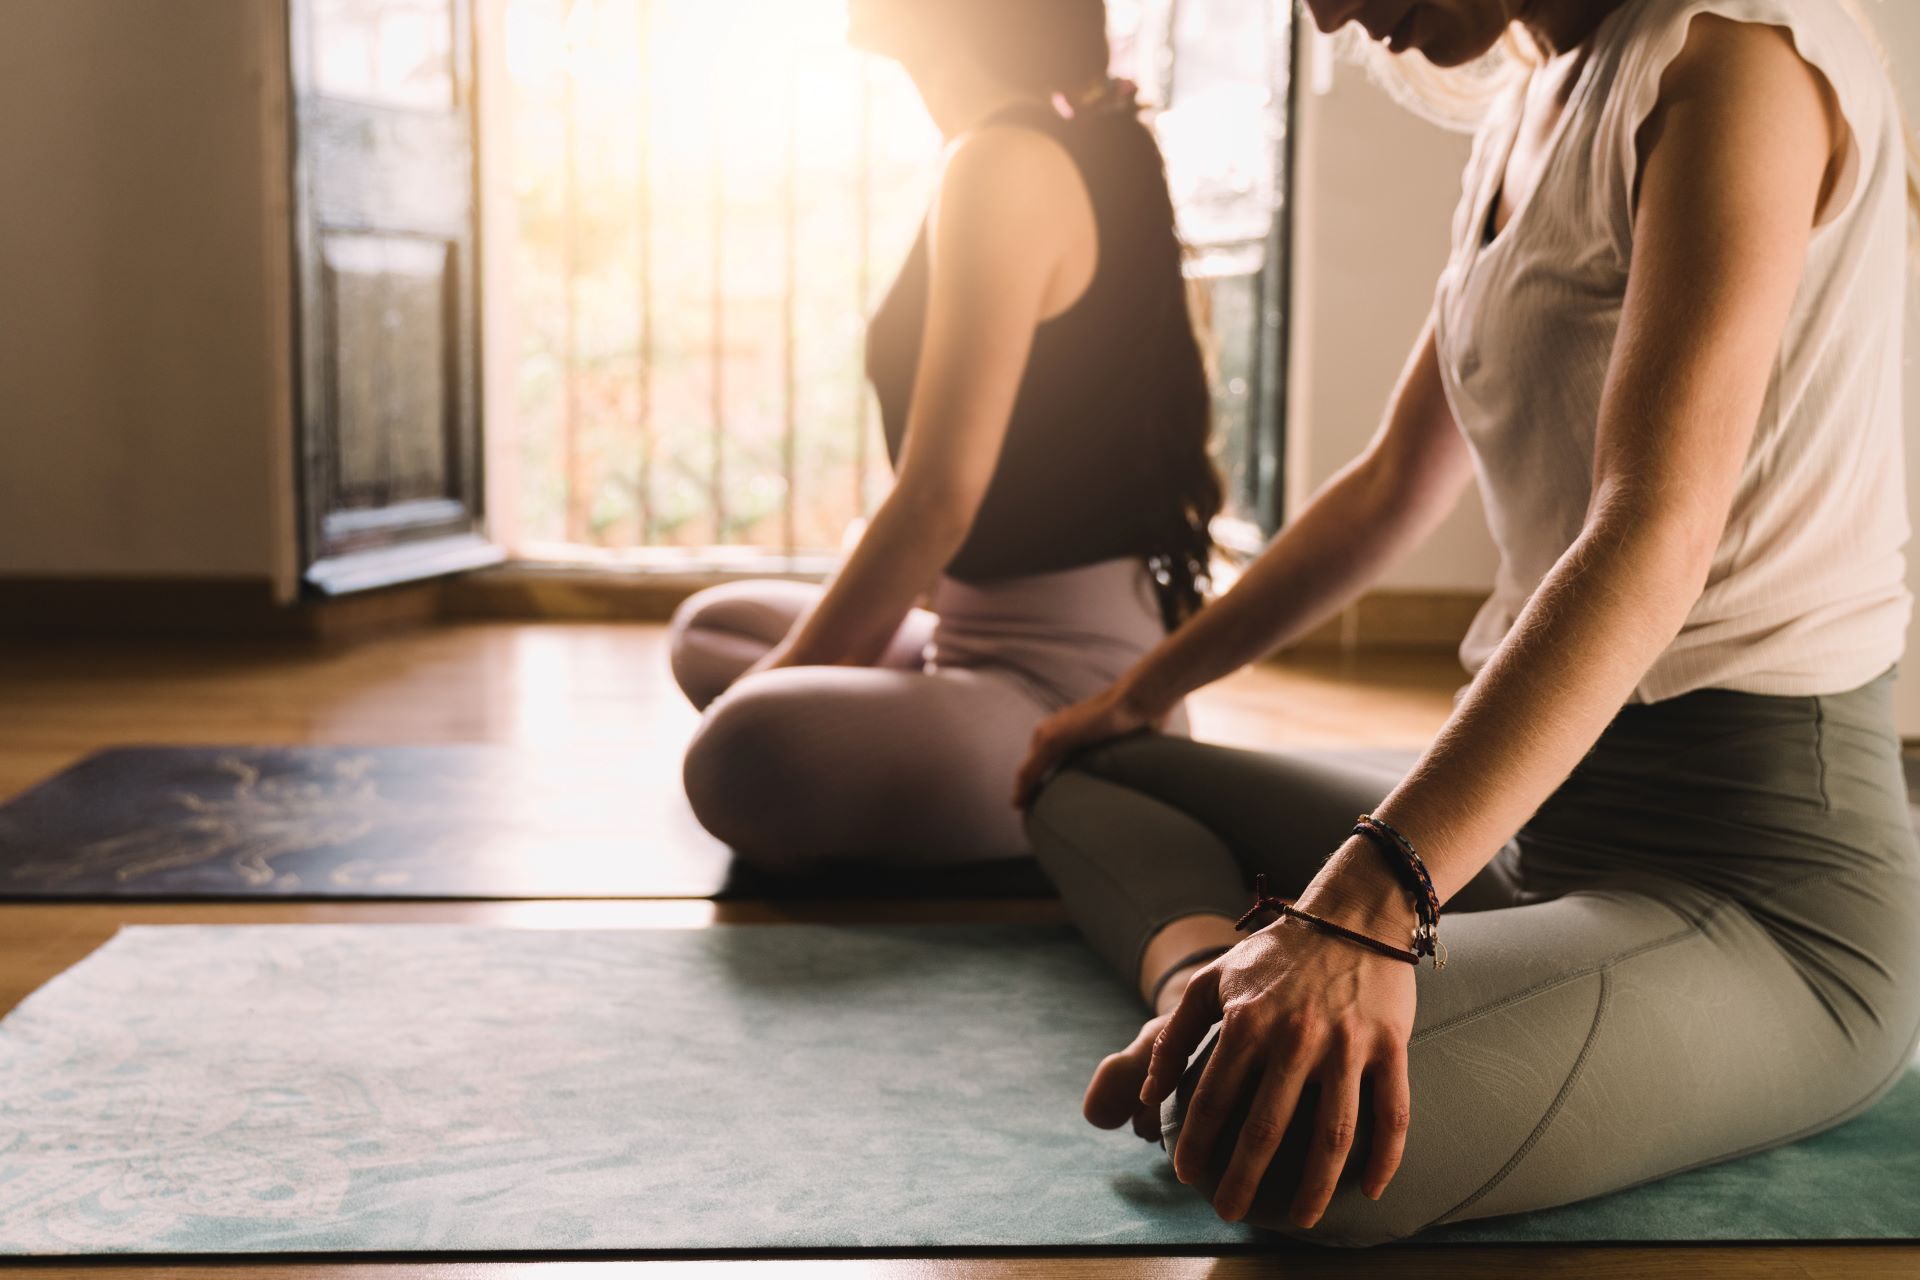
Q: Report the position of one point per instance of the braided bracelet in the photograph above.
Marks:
(1264, 902)
(1426, 900)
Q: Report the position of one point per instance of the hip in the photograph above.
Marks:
(1072, 631)
(1740, 792)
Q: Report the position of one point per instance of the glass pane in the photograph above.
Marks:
(387, 315)
(396, 53)
(1226, 313)
(1219, 130)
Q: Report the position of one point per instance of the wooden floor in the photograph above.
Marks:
(593, 685)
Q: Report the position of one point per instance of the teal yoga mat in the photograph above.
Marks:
(321, 1089)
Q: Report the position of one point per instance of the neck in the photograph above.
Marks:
(1560, 25)
(959, 95)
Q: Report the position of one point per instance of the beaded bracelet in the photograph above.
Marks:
(1264, 902)
(1426, 900)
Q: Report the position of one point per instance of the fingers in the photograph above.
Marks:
(1146, 1123)
(1042, 755)
(1222, 1084)
(1260, 1136)
(1198, 1010)
(1392, 1115)
(1333, 1129)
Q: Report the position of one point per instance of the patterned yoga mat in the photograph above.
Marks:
(351, 1089)
(462, 821)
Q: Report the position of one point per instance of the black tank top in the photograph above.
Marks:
(1090, 467)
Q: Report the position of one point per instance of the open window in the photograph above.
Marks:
(696, 204)
(385, 245)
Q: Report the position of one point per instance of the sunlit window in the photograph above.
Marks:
(711, 196)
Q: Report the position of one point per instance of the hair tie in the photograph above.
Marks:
(1114, 95)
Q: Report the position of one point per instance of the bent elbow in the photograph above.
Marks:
(1679, 531)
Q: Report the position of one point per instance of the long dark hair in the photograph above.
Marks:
(1059, 49)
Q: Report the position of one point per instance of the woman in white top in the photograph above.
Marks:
(1666, 822)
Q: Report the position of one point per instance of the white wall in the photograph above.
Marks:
(1375, 187)
(145, 417)
(1899, 25)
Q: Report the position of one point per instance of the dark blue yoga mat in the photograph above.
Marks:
(367, 1088)
(442, 821)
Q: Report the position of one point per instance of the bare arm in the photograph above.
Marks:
(1003, 221)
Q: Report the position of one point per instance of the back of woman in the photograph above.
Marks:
(1113, 403)
(1046, 410)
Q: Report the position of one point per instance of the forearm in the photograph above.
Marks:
(901, 552)
(1610, 606)
(1358, 524)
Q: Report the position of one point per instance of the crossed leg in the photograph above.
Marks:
(806, 766)
(1624, 1030)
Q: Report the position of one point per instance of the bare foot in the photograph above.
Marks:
(1113, 1095)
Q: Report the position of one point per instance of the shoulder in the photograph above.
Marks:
(1739, 53)
(1006, 172)
(1807, 52)
(1007, 165)
(1738, 79)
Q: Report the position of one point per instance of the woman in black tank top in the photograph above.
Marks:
(1046, 409)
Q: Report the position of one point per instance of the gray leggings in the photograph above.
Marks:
(1705, 943)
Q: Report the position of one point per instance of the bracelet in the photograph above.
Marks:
(1264, 902)
(1384, 836)
(1202, 956)
(1329, 927)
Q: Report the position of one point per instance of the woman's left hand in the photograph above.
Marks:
(1294, 1006)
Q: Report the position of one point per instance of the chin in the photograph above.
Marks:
(1448, 47)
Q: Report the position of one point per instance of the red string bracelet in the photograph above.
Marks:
(1264, 902)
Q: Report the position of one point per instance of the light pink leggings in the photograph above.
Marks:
(910, 761)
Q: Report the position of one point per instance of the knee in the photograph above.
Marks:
(749, 782)
(1055, 814)
(689, 645)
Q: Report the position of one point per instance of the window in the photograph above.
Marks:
(711, 196)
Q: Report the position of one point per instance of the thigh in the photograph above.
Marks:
(815, 764)
(1280, 812)
(717, 634)
(1615, 1035)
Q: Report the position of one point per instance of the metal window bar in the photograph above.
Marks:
(643, 196)
(863, 282)
(789, 302)
(574, 459)
(717, 350)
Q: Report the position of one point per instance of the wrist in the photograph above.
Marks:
(1138, 695)
(1357, 890)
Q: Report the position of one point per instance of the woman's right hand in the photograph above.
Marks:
(1097, 719)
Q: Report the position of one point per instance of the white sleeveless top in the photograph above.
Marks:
(1807, 591)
